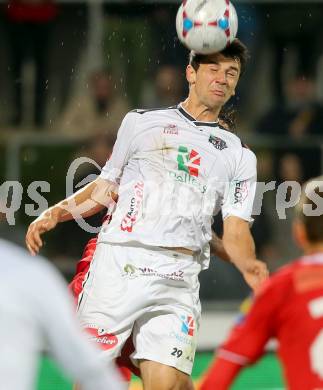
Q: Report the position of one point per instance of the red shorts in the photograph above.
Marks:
(124, 363)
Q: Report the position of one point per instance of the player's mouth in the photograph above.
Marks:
(218, 92)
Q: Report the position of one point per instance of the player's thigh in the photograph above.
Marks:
(158, 376)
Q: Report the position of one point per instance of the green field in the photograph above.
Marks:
(266, 374)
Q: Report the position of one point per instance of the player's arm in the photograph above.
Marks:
(246, 342)
(237, 240)
(236, 233)
(239, 245)
(87, 201)
(93, 197)
(217, 247)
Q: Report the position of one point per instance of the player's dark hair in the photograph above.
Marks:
(236, 50)
(313, 223)
(228, 117)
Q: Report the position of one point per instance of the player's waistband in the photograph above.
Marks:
(181, 250)
(165, 250)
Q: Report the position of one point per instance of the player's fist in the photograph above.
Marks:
(255, 272)
(45, 222)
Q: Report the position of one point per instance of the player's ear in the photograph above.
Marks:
(190, 74)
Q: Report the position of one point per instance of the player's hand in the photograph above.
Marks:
(45, 222)
(255, 272)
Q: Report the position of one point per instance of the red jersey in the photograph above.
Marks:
(82, 268)
(289, 308)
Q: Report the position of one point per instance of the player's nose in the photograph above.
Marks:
(221, 77)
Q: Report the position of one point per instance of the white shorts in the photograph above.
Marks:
(149, 294)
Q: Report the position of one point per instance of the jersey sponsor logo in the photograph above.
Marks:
(182, 339)
(101, 336)
(188, 325)
(217, 142)
(135, 205)
(188, 164)
(188, 161)
(240, 191)
(171, 130)
(185, 178)
(132, 272)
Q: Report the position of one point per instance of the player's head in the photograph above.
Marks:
(213, 77)
(308, 224)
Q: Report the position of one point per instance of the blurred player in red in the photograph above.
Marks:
(289, 308)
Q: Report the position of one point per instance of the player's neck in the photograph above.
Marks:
(199, 111)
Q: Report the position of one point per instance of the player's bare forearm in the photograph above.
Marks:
(240, 247)
(84, 203)
(237, 240)
(217, 248)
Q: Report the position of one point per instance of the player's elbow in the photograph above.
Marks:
(104, 191)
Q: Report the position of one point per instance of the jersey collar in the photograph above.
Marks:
(193, 120)
(313, 258)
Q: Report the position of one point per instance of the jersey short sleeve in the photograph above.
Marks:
(122, 150)
(240, 192)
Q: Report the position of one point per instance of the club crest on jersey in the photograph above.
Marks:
(188, 325)
(217, 142)
(188, 161)
(171, 130)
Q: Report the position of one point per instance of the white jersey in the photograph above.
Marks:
(174, 173)
(36, 313)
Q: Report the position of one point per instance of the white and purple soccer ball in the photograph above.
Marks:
(206, 26)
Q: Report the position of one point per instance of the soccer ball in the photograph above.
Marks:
(206, 26)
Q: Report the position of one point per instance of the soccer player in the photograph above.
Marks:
(36, 316)
(289, 308)
(172, 170)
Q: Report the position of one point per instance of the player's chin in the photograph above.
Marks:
(216, 101)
